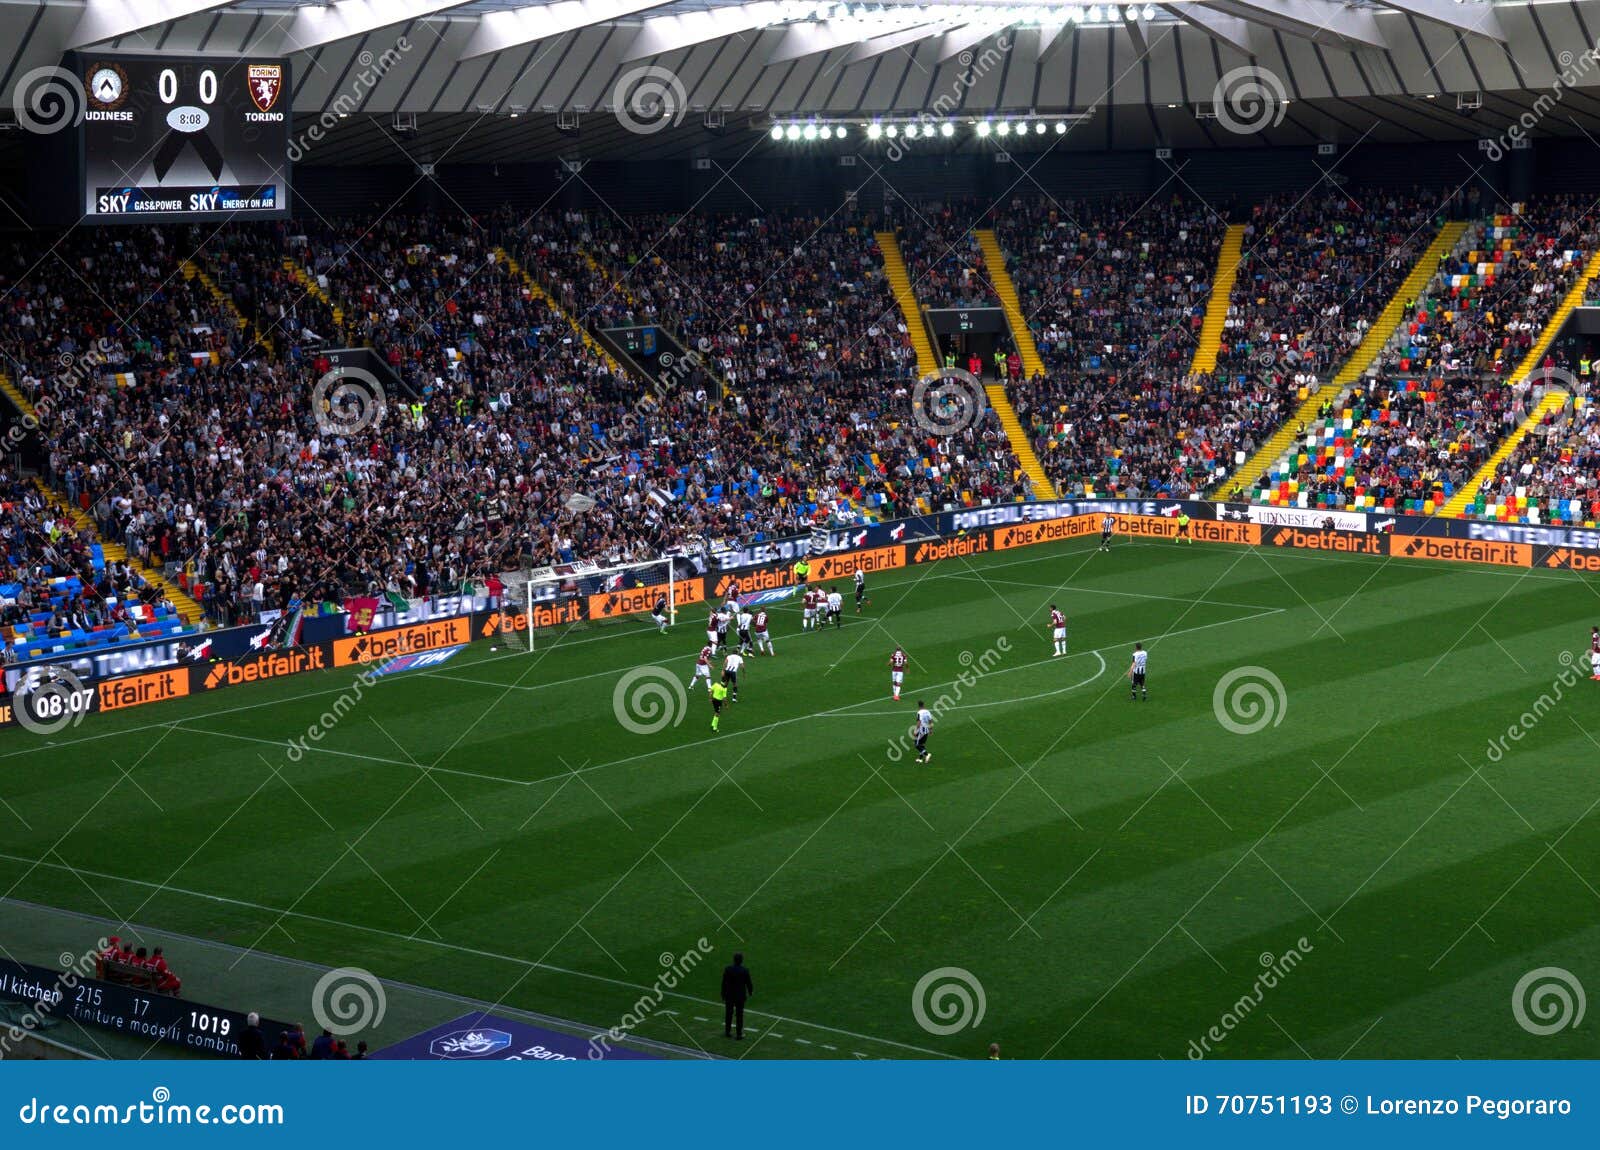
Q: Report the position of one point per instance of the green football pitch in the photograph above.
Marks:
(1357, 809)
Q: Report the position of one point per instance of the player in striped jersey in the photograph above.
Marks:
(1136, 674)
(1106, 524)
(1058, 630)
(897, 671)
(921, 730)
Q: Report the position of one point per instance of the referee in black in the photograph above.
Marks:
(737, 988)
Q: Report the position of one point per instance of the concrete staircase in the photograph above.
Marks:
(1365, 354)
(1020, 444)
(994, 261)
(1573, 298)
(894, 266)
(308, 283)
(538, 292)
(188, 610)
(1205, 353)
(192, 271)
(1552, 402)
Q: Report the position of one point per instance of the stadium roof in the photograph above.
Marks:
(496, 80)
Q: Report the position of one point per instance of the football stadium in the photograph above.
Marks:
(768, 531)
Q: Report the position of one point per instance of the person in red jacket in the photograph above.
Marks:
(166, 981)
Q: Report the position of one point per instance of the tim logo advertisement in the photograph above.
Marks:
(1463, 551)
(381, 645)
(1342, 542)
(137, 690)
(633, 600)
(840, 566)
(1045, 531)
(959, 548)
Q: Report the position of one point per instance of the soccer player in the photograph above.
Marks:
(711, 632)
(730, 672)
(744, 621)
(660, 613)
(1183, 528)
(897, 671)
(809, 618)
(1106, 524)
(719, 693)
(921, 730)
(861, 589)
(1058, 630)
(835, 606)
(702, 667)
(758, 628)
(723, 620)
(1136, 674)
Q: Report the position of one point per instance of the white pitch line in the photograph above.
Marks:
(1074, 588)
(845, 713)
(457, 948)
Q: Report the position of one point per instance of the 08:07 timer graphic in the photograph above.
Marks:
(185, 137)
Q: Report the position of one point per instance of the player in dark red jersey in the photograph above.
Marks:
(1058, 630)
(702, 667)
(897, 671)
(758, 630)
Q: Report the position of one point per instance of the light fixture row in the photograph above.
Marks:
(916, 130)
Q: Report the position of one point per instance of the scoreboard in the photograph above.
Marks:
(184, 137)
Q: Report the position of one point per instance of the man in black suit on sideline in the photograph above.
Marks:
(737, 988)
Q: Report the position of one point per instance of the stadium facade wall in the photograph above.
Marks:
(157, 672)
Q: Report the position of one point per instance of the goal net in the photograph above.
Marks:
(571, 595)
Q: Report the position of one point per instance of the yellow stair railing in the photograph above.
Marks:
(1552, 402)
(308, 283)
(1020, 444)
(894, 267)
(192, 270)
(188, 610)
(539, 293)
(1573, 298)
(1021, 334)
(1228, 256)
(1377, 337)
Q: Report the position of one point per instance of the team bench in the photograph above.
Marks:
(128, 973)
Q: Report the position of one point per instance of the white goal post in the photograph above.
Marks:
(591, 592)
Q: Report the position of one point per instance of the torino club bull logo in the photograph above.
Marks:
(266, 81)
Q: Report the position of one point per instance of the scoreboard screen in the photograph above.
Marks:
(184, 137)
